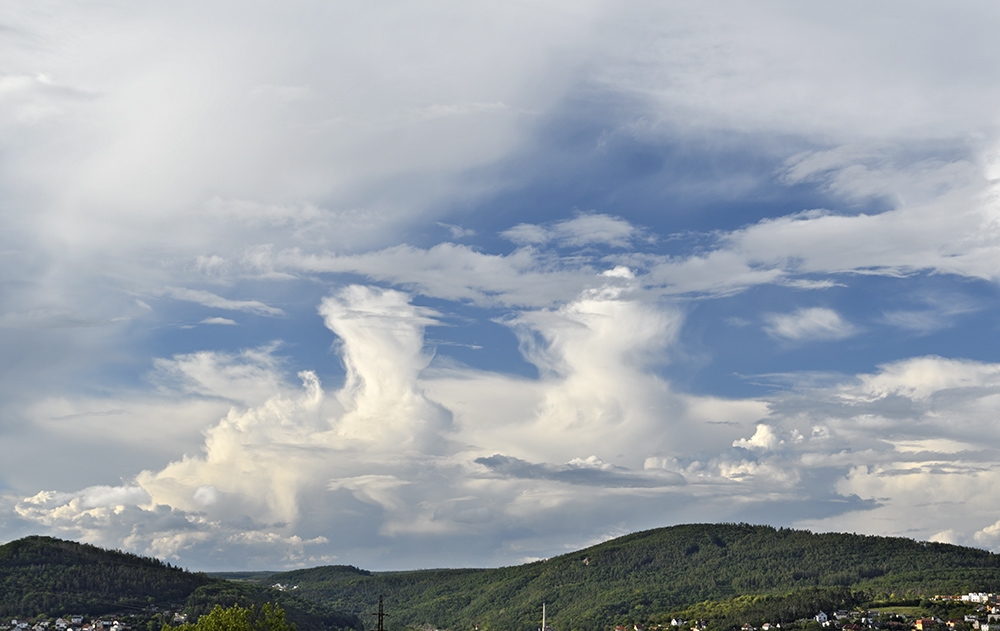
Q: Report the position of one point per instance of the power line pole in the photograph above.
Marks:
(381, 615)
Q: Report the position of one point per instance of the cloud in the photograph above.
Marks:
(932, 313)
(299, 461)
(747, 70)
(914, 436)
(764, 439)
(209, 299)
(259, 463)
(524, 278)
(814, 323)
(223, 321)
(52, 318)
(923, 378)
(33, 99)
(527, 233)
(584, 229)
(283, 93)
(989, 536)
(382, 336)
(720, 174)
(460, 109)
(591, 471)
(457, 232)
(243, 377)
(404, 450)
(790, 250)
(863, 172)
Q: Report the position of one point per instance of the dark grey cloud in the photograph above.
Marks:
(582, 473)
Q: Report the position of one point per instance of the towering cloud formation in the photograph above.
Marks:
(405, 450)
(382, 338)
(283, 468)
(260, 464)
(594, 355)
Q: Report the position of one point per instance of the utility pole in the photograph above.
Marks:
(381, 615)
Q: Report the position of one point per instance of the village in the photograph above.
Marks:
(109, 622)
(985, 617)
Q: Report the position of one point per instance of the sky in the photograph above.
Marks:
(467, 284)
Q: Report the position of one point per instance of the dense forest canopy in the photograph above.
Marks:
(728, 573)
(648, 575)
(43, 576)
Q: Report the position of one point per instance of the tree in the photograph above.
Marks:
(265, 617)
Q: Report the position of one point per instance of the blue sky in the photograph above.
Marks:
(467, 284)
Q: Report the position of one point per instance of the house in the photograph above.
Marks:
(821, 618)
(922, 624)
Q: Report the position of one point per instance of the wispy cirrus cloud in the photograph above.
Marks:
(208, 299)
(809, 324)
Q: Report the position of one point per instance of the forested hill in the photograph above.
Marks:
(643, 577)
(648, 574)
(52, 577)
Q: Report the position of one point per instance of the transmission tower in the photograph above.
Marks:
(381, 615)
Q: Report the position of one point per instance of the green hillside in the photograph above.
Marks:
(726, 573)
(52, 577)
(647, 575)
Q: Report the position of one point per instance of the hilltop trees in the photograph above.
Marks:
(266, 617)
